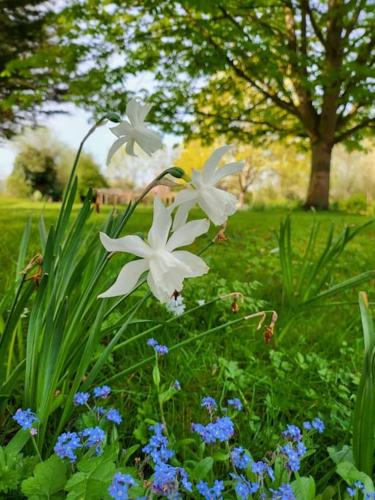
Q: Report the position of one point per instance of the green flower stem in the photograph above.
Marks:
(184, 342)
(36, 448)
(91, 411)
(160, 402)
(74, 168)
(170, 320)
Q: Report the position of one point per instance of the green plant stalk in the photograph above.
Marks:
(160, 325)
(156, 377)
(185, 342)
(73, 172)
(61, 340)
(364, 412)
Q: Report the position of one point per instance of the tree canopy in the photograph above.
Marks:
(247, 69)
(253, 68)
(43, 164)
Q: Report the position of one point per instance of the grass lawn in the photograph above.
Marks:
(312, 369)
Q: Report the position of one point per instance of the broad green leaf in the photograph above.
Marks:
(202, 469)
(350, 474)
(327, 494)
(18, 441)
(304, 488)
(156, 375)
(48, 480)
(344, 454)
(94, 476)
(220, 456)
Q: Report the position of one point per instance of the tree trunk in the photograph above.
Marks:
(318, 192)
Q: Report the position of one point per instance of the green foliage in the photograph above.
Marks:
(243, 70)
(38, 171)
(304, 488)
(43, 165)
(48, 480)
(93, 477)
(364, 415)
(13, 469)
(350, 474)
(305, 280)
(356, 203)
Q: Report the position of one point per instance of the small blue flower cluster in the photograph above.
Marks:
(161, 350)
(317, 425)
(261, 469)
(211, 493)
(221, 430)
(258, 473)
(294, 450)
(101, 392)
(26, 419)
(240, 458)
(119, 488)
(209, 403)
(157, 447)
(69, 442)
(359, 487)
(235, 403)
(285, 492)
(167, 478)
(243, 487)
(92, 437)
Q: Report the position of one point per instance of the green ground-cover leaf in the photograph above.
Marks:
(48, 480)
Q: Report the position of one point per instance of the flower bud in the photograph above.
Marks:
(113, 117)
(176, 172)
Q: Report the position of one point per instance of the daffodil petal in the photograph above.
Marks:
(217, 204)
(181, 214)
(161, 293)
(229, 169)
(131, 244)
(161, 225)
(137, 111)
(211, 164)
(186, 234)
(115, 146)
(183, 196)
(121, 129)
(127, 279)
(130, 147)
(196, 265)
(147, 139)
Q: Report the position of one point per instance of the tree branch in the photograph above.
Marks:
(286, 105)
(314, 24)
(344, 135)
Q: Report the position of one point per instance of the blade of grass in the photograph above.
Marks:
(364, 413)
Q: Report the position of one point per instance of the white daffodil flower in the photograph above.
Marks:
(167, 267)
(135, 131)
(216, 203)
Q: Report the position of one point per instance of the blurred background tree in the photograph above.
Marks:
(277, 171)
(43, 67)
(251, 69)
(244, 71)
(42, 167)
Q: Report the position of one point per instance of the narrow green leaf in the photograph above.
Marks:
(202, 469)
(364, 412)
